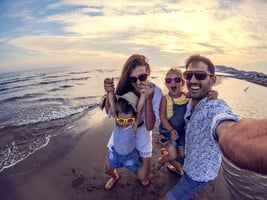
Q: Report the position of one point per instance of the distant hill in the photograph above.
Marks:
(251, 76)
(231, 70)
(225, 69)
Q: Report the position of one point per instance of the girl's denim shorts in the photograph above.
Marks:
(130, 161)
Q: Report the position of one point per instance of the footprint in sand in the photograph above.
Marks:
(78, 180)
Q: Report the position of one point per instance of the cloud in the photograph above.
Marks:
(165, 31)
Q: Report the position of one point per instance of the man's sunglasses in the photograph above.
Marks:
(141, 77)
(199, 75)
(124, 121)
(176, 80)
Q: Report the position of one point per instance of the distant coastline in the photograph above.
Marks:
(251, 76)
(256, 81)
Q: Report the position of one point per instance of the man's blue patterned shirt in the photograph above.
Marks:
(202, 151)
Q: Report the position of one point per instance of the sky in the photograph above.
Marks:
(54, 33)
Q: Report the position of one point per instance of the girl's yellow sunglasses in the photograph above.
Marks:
(123, 121)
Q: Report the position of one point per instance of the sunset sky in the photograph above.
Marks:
(93, 33)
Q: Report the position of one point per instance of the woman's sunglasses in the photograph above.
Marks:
(124, 121)
(176, 80)
(141, 77)
(199, 75)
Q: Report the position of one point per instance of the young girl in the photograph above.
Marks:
(123, 152)
(172, 124)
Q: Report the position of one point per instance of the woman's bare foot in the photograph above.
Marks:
(111, 182)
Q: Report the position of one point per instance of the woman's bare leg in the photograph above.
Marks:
(144, 170)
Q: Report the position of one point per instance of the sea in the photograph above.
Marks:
(38, 104)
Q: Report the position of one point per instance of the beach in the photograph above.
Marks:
(54, 136)
(71, 168)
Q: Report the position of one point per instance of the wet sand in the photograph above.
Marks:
(71, 168)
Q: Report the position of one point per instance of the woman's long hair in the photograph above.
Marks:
(131, 63)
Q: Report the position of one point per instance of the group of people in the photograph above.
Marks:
(195, 127)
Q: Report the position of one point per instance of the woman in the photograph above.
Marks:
(134, 78)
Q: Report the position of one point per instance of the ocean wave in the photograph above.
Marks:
(60, 99)
(54, 115)
(16, 152)
(78, 79)
(16, 88)
(86, 97)
(28, 118)
(106, 70)
(26, 86)
(52, 76)
(3, 89)
(50, 82)
(81, 72)
(63, 80)
(15, 80)
(22, 141)
(66, 86)
(63, 87)
(25, 96)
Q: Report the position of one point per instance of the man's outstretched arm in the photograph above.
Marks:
(245, 143)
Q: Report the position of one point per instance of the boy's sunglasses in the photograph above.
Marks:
(141, 77)
(176, 80)
(199, 75)
(123, 121)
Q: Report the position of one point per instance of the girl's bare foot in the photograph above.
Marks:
(159, 163)
(145, 183)
(111, 182)
(179, 171)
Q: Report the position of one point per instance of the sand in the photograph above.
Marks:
(71, 168)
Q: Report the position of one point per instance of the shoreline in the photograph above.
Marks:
(72, 168)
